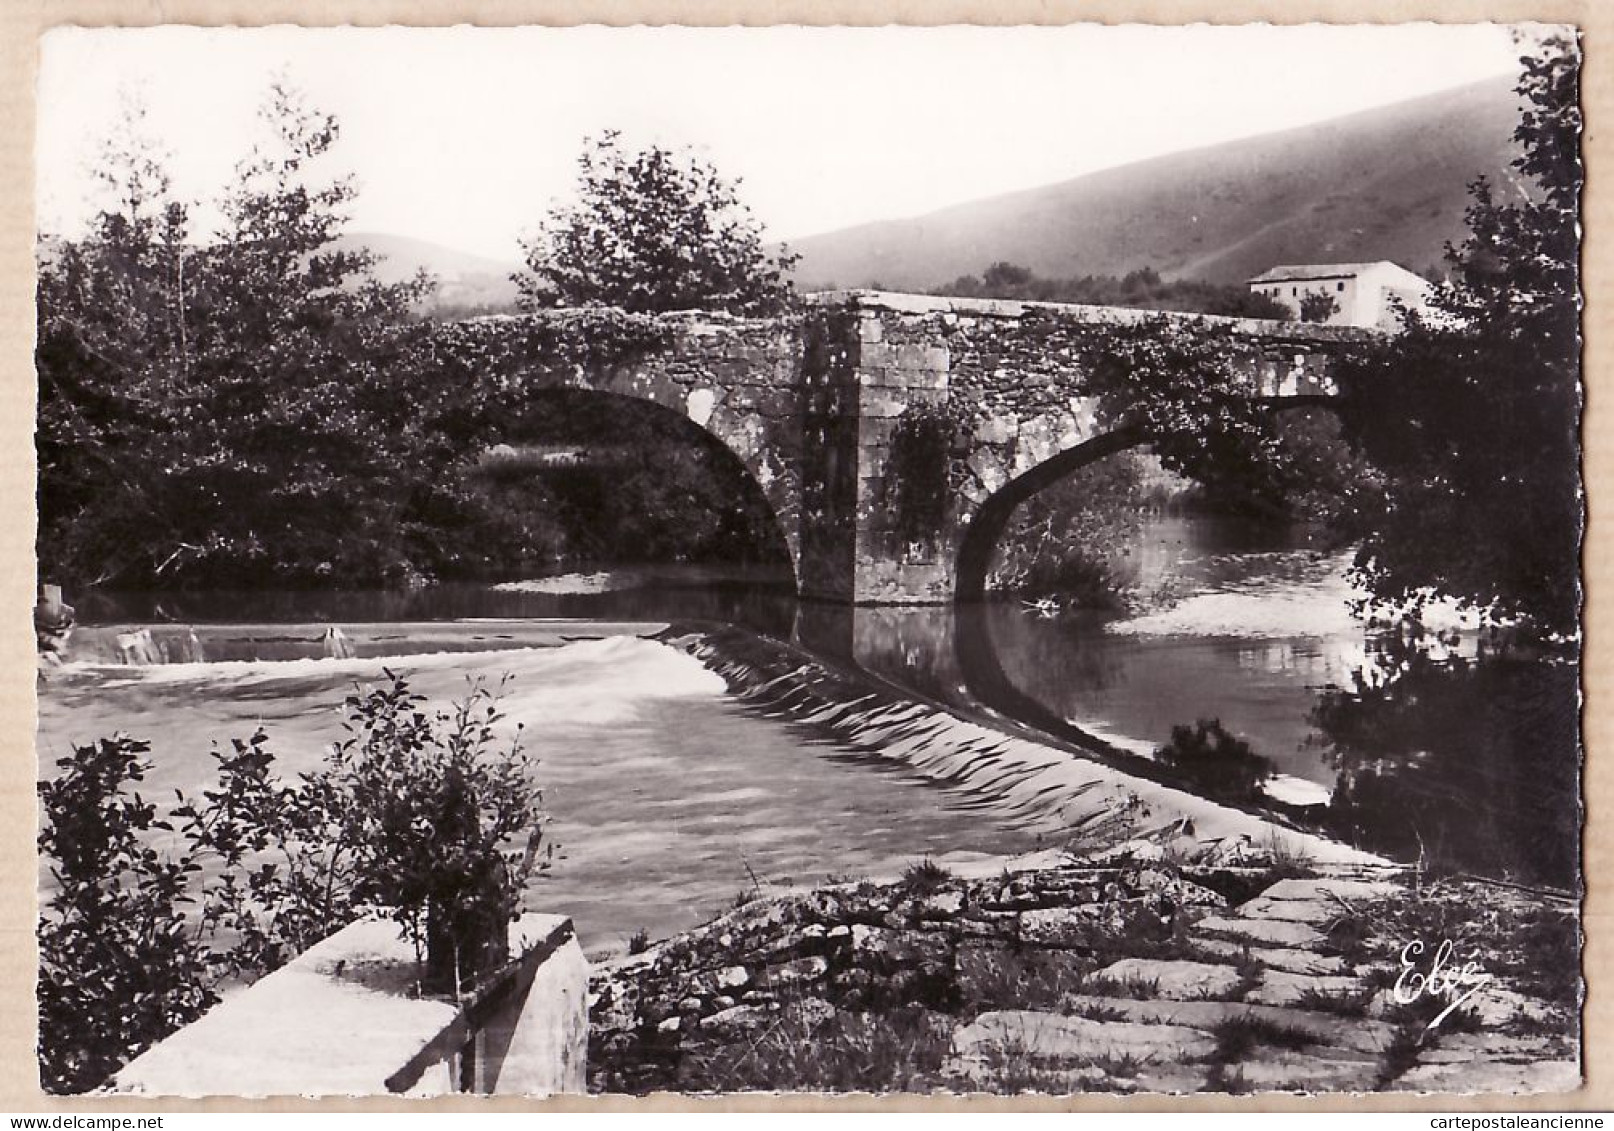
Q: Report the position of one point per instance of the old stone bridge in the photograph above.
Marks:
(809, 404)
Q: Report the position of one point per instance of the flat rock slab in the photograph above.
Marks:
(1292, 910)
(1349, 1033)
(1463, 1048)
(1170, 1079)
(1075, 1041)
(1275, 958)
(1272, 931)
(1272, 1071)
(1496, 1078)
(1322, 888)
(1177, 980)
(1495, 1007)
(1280, 987)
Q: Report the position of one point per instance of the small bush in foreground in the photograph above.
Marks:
(415, 812)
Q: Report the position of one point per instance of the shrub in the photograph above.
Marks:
(1211, 759)
(118, 966)
(415, 813)
(926, 877)
(429, 803)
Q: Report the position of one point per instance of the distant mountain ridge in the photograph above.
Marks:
(464, 280)
(1388, 183)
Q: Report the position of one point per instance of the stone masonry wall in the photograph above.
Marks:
(1126, 972)
(1019, 376)
(808, 403)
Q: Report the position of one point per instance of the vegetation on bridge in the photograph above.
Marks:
(1186, 389)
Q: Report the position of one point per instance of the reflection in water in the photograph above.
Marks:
(1252, 628)
(1471, 764)
(758, 597)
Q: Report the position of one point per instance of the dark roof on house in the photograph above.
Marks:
(1290, 272)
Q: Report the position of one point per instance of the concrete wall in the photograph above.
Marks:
(343, 1019)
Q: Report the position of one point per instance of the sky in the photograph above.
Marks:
(467, 136)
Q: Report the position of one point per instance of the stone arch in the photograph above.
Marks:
(983, 525)
(733, 432)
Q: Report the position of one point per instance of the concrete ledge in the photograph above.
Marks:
(342, 1019)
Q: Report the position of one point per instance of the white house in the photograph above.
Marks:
(1361, 291)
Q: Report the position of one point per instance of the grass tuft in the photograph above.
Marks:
(925, 877)
(899, 1050)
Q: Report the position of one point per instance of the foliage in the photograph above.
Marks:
(1215, 761)
(921, 444)
(1182, 386)
(899, 1050)
(429, 802)
(1142, 288)
(256, 410)
(419, 813)
(653, 230)
(220, 412)
(1473, 412)
(118, 966)
(280, 873)
(925, 877)
(1318, 306)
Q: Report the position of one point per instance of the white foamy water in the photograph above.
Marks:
(592, 681)
(568, 583)
(666, 797)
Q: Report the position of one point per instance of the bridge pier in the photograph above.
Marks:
(856, 385)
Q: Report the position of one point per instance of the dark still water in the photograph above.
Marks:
(1469, 762)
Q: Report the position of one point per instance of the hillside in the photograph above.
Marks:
(1389, 183)
(464, 280)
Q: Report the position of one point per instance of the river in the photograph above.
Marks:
(668, 797)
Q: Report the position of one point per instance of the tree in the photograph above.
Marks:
(1317, 306)
(653, 230)
(1472, 414)
(229, 413)
(1141, 289)
(290, 440)
(111, 341)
